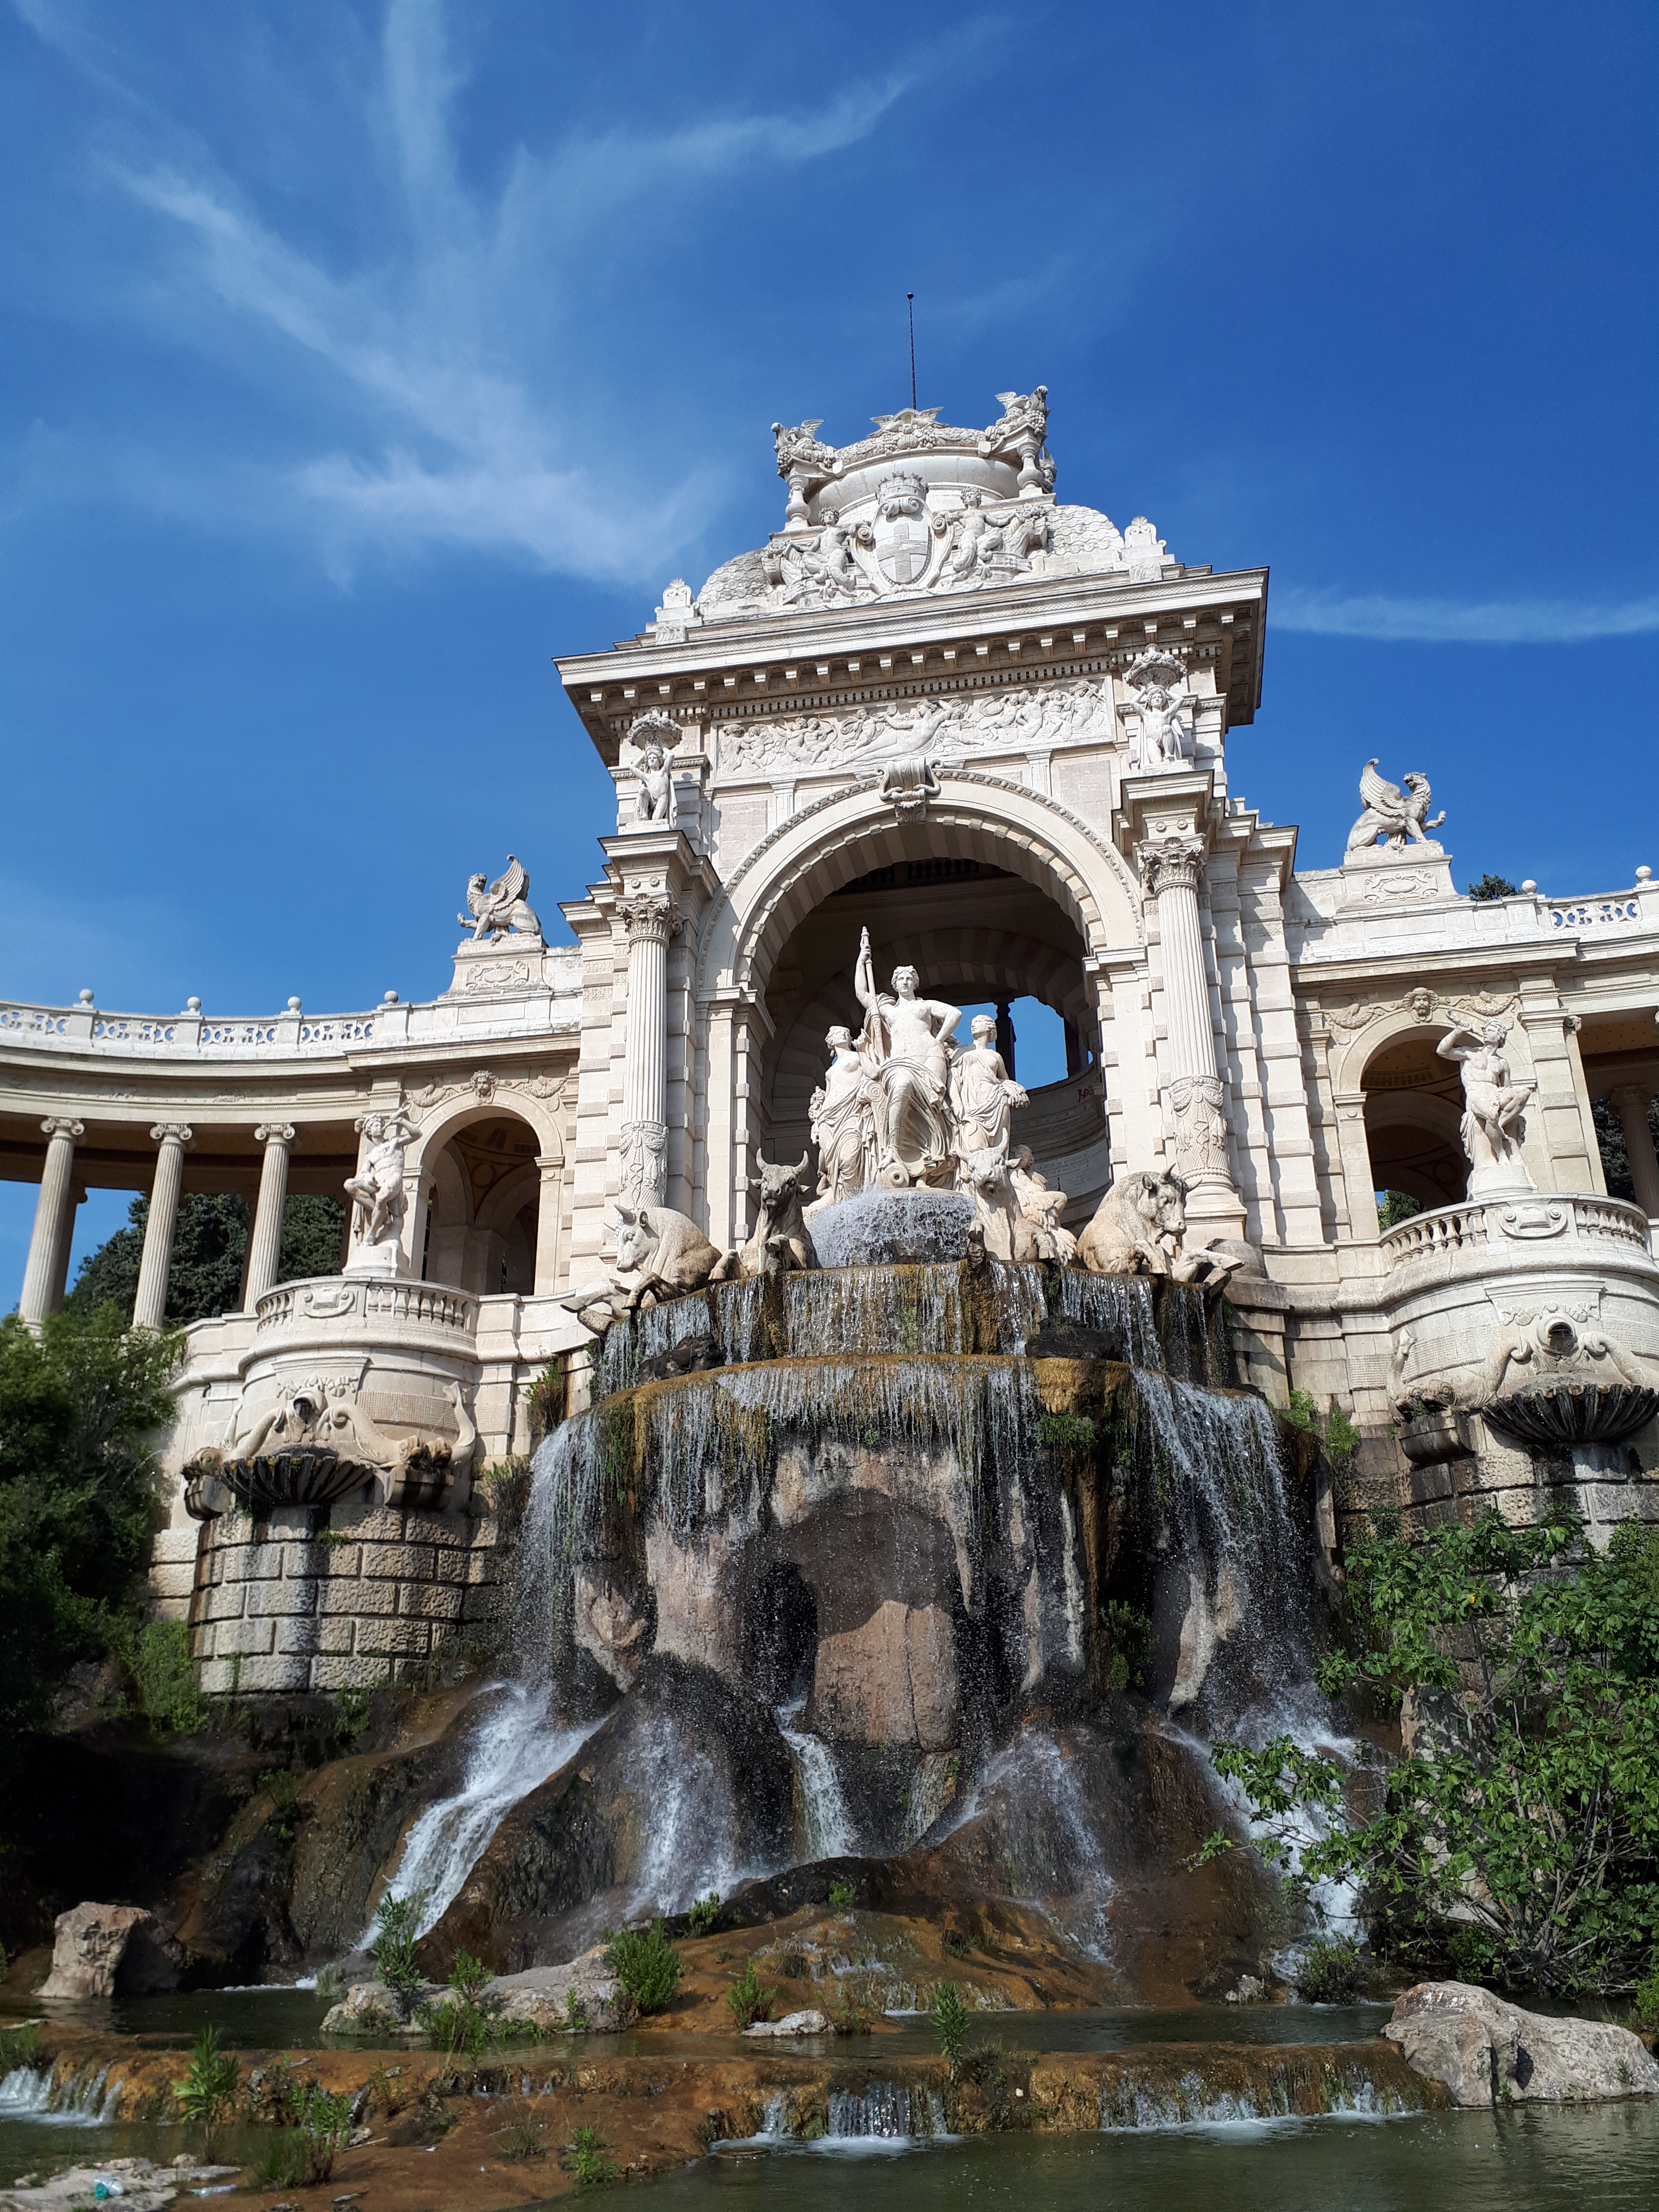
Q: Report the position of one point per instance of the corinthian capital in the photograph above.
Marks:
(650, 916)
(1169, 863)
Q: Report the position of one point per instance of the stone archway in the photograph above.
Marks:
(1003, 827)
(1412, 1107)
(487, 1177)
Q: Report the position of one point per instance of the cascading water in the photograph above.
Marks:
(855, 1558)
(514, 1749)
(828, 1829)
(82, 2097)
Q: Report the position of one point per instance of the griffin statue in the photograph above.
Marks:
(499, 906)
(1391, 813)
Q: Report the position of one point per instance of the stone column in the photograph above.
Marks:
(550, 1212)
(265, 1245)
(650, 917)
(1170, 869)
(54, 1215)
(150, 1306)
(1631, 1103)
(1006, 1038)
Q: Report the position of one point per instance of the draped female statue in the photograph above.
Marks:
(907, 1047)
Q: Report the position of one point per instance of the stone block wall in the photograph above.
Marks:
(371, 1599)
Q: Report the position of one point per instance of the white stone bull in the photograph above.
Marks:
(661, 1254)
(781, 1233)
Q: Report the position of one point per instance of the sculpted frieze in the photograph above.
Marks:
(1077, 710)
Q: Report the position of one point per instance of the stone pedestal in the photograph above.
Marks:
(1380, 876)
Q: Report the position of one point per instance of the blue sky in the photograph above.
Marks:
(357, 358)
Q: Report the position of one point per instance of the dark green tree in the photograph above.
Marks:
(1393, 1206)
(80, 1406)
(210, 1253)
(1492, 887)
(1518, 1834)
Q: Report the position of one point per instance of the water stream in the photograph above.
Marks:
(515, 1748)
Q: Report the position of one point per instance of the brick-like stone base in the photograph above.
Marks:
(368, 1600)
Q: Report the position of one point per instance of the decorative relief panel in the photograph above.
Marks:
(1078, 710)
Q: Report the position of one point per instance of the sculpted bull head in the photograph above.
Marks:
(636, 1238)
(775, 1185)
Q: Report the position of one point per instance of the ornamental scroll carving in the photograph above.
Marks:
(1075, 711)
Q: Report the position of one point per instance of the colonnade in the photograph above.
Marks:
(45, 1276)
(1630, 1102)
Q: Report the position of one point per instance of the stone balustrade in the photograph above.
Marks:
(1567, 1281)
(1510, 1231)
(332, 1302)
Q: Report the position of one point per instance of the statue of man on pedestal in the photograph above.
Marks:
(1493, 1126)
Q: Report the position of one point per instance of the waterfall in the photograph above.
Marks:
(827, 1826)
(687, 1848)
(881, 2111)
(1119, 1306)
(514, 1750)
(84, 2097)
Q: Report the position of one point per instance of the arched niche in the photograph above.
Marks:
(482, 1175)
(755, 1015)
(1414, 1105)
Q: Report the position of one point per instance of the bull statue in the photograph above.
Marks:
(1138, 1230)
(661, 1254)
(998, 1220)
(782, 1239)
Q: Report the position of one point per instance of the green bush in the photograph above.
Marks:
(1644, 2006)
(469, 1976)
(843, 1896)
(1127, 1635)
(1328, 1973)
(164, 1677)
(646, 1964)
(394, 1951)
(748, 1999)
(703, 1914)
(81, 1405)
(1521, 1836)
(462, 2029)
(281, 1790)
(19, 2047)
(1302, 1412)
(208, 2092)
(1072, 1435)
(949, 2017)
(324, 2129)
(587, 2160)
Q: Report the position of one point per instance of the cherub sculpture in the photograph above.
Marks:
(494, 909)
(1391, 813)
(653, 737)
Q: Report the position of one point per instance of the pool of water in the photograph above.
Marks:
(1543, 2160)
(283, 2018)
(272, 2019)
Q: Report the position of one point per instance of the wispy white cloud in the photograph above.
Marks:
(1461, 621)
(468, 426)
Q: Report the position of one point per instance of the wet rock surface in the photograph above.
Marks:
(98, 1949)
(1488, 2052)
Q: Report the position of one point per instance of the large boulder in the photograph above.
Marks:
(585, 1993)
(98, 1949)
(1489, 2052)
